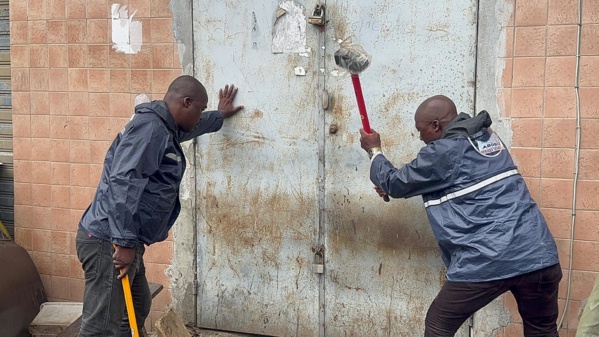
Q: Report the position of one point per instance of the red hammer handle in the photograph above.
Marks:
(361, 105)
(362, 108)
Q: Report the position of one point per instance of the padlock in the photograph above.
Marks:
(318, 268)
(317, 17)
(318, 265)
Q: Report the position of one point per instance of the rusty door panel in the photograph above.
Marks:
(383, 268)
(258, 177)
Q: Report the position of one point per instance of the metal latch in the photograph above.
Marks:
(317, 17)
(318, 265)
(326, 100)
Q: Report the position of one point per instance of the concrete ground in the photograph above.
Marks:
(197, 332)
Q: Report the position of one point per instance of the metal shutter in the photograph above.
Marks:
(6, 169)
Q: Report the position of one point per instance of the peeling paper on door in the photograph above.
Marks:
(126, 33)
(289, 30)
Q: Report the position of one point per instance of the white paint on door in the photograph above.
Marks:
(300, 71)
(126, 33)
(289, 31)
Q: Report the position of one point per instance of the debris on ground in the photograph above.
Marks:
(171, 325)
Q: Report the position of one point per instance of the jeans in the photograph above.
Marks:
(535, 293)
(104, 312)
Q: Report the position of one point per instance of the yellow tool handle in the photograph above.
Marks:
(129, 304)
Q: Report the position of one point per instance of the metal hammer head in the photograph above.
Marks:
(352, 58)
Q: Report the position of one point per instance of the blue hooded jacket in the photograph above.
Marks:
(137, 200)
(486, 223)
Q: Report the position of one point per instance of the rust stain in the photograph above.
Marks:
(363, 224)
(351, 137)
(338, 104)
(257, 114)
(391, 70)
(439, 28)
(208, 74)
(392, 101)
(271, 217)
(335, 17)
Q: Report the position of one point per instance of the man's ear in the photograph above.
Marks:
(436, 125)
(187, 101)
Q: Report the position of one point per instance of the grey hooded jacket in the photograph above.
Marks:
(486, 223)
(137, 200)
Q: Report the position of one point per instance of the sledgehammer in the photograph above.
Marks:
(354, 59)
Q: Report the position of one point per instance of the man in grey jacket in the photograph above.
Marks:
(137, 201)
(492, 235)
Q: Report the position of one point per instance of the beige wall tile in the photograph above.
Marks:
(76, 9)
(20, 56)
(527, 102)
(38, 31)
(98, 9)
(527, 132)
(18, 10)
(530, 41)
(563, 12)
(77, 55)
(531, 13)
(559, 132)
(57, 32)
(590, 12)
(586, 225)
(528, 161)
(77, 31)
(556, 193)
(98, 31)
(589, 68)
(561, 40)
(78, 79)
(560, 102)
(19, 32)
(57, 9)
(98, 56)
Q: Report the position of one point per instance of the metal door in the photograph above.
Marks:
(276, 187)
(258, 176)
(383, 268)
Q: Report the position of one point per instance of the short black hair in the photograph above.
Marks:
(186, 86)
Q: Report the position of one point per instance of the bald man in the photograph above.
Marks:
(492, 235)
(137, 201)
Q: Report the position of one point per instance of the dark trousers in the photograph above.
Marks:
(535, 293)
(104, 312)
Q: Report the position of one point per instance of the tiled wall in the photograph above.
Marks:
(538, 87)
(72, 93)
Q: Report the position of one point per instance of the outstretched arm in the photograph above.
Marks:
(212, 121)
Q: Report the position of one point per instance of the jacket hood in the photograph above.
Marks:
(464, 125)
(159, 108)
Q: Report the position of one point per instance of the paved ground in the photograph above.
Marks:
(197, 332)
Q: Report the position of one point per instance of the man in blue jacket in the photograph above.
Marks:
(492, 235)
(137, 201)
